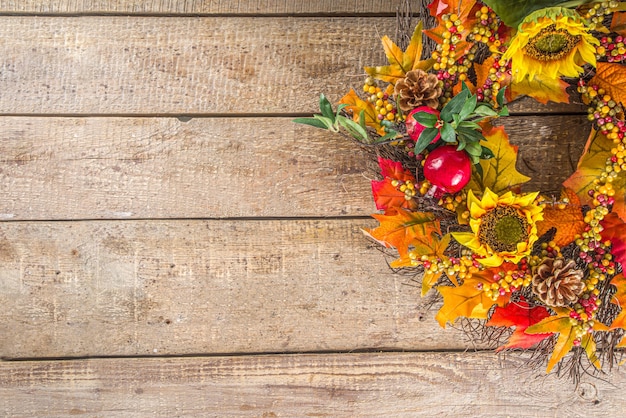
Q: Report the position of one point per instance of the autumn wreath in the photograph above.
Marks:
(546, 271)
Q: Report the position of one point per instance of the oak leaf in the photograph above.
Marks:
(614, 230)
(612, 78)
(591, 166)
(541, 89)
(355, 105)
(498, 173)
(519, 315)
(401, 62)
(386, 195)
(568, 221)
(469, 300)
(400, 227)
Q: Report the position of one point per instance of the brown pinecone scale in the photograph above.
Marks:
(557, 281)
(417, 88)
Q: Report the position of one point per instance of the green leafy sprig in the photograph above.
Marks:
(332, 120)
(458, 123)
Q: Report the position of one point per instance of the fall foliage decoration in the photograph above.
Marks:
(545, 269)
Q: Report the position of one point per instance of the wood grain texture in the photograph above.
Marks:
(185, 65)
(339, 385)
(200, 6)
(183, 287)
(105, 168)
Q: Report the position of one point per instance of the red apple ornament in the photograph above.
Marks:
(448, 169)
(414, 128)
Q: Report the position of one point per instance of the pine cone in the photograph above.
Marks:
(417, 88)
(557, 282)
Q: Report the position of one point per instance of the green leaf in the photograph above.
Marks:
(311, 122)
(425, 138)
(512, 12)
(362, 122)
(354, 128)
(447, 132)
(425, 119)
(468, 107)
(390, 135)
(486, 153)
(484, 110)
(473, 149)
(500, 97)
(330, 125)
(504, 111)
(326, 108)
(470, 125)
(454, 106)
(471, 135)
(462, 144)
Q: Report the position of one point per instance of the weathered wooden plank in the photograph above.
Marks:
(184, 287)
(183, 65)
(200, 6)
(364, 385)
(85, 168)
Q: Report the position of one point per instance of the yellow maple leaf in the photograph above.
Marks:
(562, 324)
(591, 166)
(568, 221)
(612, 78)
(401, 62)
(498, 173)
(469, 300)
(356, 105)
(541, 89)
(401, 228)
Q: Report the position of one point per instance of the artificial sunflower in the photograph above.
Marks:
(503, 227)
(551, 43)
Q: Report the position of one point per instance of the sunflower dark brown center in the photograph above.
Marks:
(502, 229)
(551, 44)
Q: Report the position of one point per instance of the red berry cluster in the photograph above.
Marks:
(612, 48)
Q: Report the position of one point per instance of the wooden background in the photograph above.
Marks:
(173, 245)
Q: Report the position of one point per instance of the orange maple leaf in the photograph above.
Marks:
(591, 166)
(400, 227)
(519, 315)
(612, 78)
(568, 221)
(356, 105)
(469, 300)
(401, 62)
(429, 246)
(386, 195)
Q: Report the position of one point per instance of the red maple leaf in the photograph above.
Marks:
(386, 195)
(519, 315)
